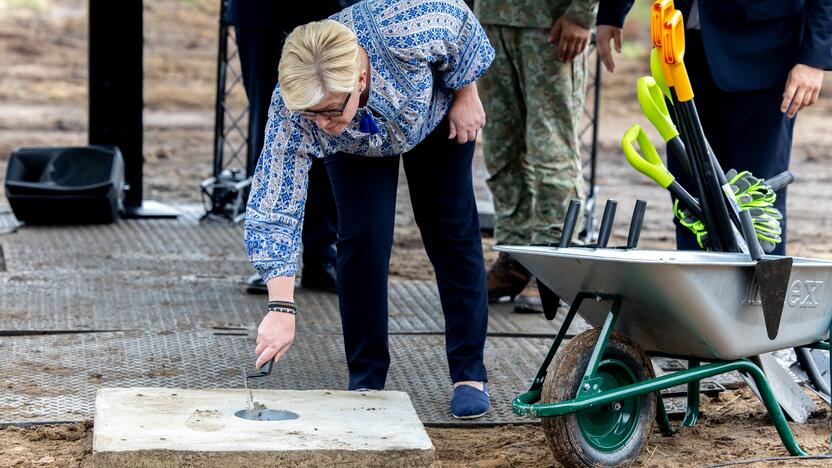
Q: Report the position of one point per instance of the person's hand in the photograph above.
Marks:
(274, 337)
(466, 115)
(603, 35)
(571, 38)
(802, 88)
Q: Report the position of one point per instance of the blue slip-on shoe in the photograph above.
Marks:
(469, 402)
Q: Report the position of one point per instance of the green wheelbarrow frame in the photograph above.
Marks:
(591, 396)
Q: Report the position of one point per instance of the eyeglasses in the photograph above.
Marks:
(310, 114)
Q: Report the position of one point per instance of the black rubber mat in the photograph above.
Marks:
(179, 275)
(128, 301)
(162, 247)
(162, 303)
(54, 377)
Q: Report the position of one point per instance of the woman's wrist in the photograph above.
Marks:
(469, 89)
(281, 288)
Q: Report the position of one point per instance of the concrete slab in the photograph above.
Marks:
(156, 427)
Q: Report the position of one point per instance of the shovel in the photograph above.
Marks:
(772, 273)
(794, 402)
(651, 100)
(673, 47)
(786, 391)
(651, 165)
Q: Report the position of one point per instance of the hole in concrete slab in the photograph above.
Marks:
(266, 415)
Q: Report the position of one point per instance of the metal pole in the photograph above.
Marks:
(219, 108)
(596, 109)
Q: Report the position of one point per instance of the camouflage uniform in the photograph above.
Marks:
(534, 103)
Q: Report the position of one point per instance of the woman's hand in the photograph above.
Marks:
(467, 115)
(277, 330)
(274, 336)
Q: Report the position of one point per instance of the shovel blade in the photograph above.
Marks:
(788, 393)
(773, 280)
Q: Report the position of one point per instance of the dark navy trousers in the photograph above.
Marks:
(746, 130)
(439, 178)
(259, 50)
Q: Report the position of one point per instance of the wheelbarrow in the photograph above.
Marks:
(598, 395)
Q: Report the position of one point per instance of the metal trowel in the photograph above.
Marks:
(257, 411)
(263, 371)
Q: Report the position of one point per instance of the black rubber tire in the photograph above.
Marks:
(563, 434)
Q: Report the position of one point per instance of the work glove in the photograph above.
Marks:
(756, 197)
(694, 224)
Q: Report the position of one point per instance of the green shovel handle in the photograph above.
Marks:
(654, 107)
(658, 74)
(650, 164)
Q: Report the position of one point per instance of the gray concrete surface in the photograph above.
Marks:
(154, 427)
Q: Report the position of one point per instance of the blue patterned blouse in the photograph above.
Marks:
(420, 51)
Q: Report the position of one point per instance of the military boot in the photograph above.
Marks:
(507, 277)
(528, 301)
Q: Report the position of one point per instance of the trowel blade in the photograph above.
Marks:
(773, 279)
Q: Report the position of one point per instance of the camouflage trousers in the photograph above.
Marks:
(534, 104)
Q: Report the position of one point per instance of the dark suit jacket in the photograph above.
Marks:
(752, 44)
(279, 13)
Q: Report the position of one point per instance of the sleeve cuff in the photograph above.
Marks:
(609, 17)
(812, 59)
(269, 270)
(581, 15)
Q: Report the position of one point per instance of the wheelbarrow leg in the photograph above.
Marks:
(661, 417)
(537, 383)
(774, 410)
(692, 410)
(589, 383)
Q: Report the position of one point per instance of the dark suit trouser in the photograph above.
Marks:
(441, 191)
(259, 50)
(746, 130)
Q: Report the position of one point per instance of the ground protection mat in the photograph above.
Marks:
(65, 301)
(54, 377)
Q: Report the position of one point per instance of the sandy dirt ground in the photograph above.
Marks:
(734, 428)
(43, 102)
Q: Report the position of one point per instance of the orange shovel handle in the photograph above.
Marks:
(659, 11)
(673, 48)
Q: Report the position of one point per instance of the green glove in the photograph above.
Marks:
(767, 228)
(750, 191)
(755, 196)
(688, 220)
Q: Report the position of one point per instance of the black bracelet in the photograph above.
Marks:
(282, 307)
(284, 311)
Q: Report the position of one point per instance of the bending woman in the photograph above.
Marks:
(394, 79)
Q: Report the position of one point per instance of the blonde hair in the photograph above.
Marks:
(318, 58)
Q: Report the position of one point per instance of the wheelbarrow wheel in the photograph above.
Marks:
(609, 435)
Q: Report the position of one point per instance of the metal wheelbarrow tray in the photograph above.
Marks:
(693, 304)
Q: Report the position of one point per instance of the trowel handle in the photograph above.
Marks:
(606, 223)
(266, 368)
(750, 235)
(570, 222)
(780, 180)
(635, 224)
